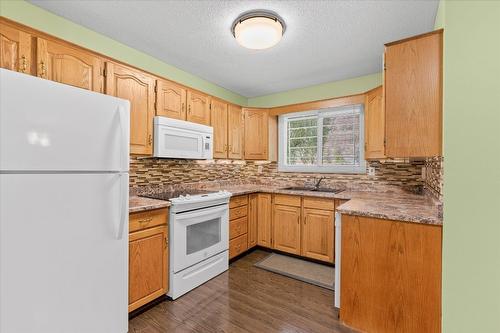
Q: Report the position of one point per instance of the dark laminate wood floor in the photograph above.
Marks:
(245, 299)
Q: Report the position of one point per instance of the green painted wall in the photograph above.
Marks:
(40, 19)
(471, 234)
(320, 91)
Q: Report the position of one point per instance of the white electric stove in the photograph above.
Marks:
(199, 237)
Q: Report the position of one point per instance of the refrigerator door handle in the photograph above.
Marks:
(123, 205)
(124, 138)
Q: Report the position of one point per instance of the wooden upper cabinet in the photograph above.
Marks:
(236, 132)
(219, 119)
(15, 49)
(374, 124)
(253, 206)
(264, 218)
(317, 234)
(170, 100)
(69, 65)
(413, 96)
(286, 229)
(198, 107)
(138, 88)
(256, 134)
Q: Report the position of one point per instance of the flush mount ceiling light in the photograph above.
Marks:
(258, 30)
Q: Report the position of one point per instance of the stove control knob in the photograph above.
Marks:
(188, 197)
(181, 197)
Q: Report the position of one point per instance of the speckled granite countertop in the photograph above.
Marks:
(140, 204)
(399, 207)
(392, 205)
(386, 205)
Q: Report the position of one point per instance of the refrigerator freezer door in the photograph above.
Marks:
(63, 253)
(48, 126)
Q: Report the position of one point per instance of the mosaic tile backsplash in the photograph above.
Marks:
(407, 174)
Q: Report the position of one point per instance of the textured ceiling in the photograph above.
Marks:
(324, 41)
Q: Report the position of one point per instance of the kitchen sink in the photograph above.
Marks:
(313, 189)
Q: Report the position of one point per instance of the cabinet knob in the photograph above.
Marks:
(24, 64)
(43, 69)
(150, 139)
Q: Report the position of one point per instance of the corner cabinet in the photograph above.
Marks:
(413, 96)
(256, 134)
(198, 105)
(148, 257)
(170, 100)
(264, 220)
(139, 88)
(15, 49)
(374, 124)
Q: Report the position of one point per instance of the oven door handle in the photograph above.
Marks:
(201, 212)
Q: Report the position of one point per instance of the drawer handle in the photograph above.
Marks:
(146, 220)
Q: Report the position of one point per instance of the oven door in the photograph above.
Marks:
(197, 235)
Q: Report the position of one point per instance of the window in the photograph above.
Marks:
(327, 140)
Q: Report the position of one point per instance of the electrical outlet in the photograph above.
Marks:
(371, 171)
(259, 169)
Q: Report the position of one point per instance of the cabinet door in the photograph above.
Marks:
(256, 134)
(374, 124)
(317, 234)
(65, 64)
(148, 266)
(219, 123)
(413, 97)
(236, 131)
(170, 100)
(286, 229)
(15, 49)
(198, 107)
(252, 219)
(138, 88)
(264, 218)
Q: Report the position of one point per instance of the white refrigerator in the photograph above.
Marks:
(64, 160)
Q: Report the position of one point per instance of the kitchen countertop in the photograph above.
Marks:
(140, 204)
(400, 206)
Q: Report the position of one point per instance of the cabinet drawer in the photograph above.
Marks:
(319, 203)
(238, 227)
(287, 200)
(238, 201)
(148, 219)
(237, 246)
(236, 213)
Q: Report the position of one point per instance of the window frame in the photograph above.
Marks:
(283, 141)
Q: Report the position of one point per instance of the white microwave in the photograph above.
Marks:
(182, 139)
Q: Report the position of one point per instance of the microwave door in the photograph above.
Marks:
(177, 143)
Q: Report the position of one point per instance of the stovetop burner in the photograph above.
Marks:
(167, 195)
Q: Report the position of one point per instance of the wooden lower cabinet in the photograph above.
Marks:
(238, 225)
(148, 258)
(252, 219)
(264, 220)
(286, 229)
(317, 234)
(391, 275)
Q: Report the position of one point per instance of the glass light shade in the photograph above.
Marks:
(258, 33)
